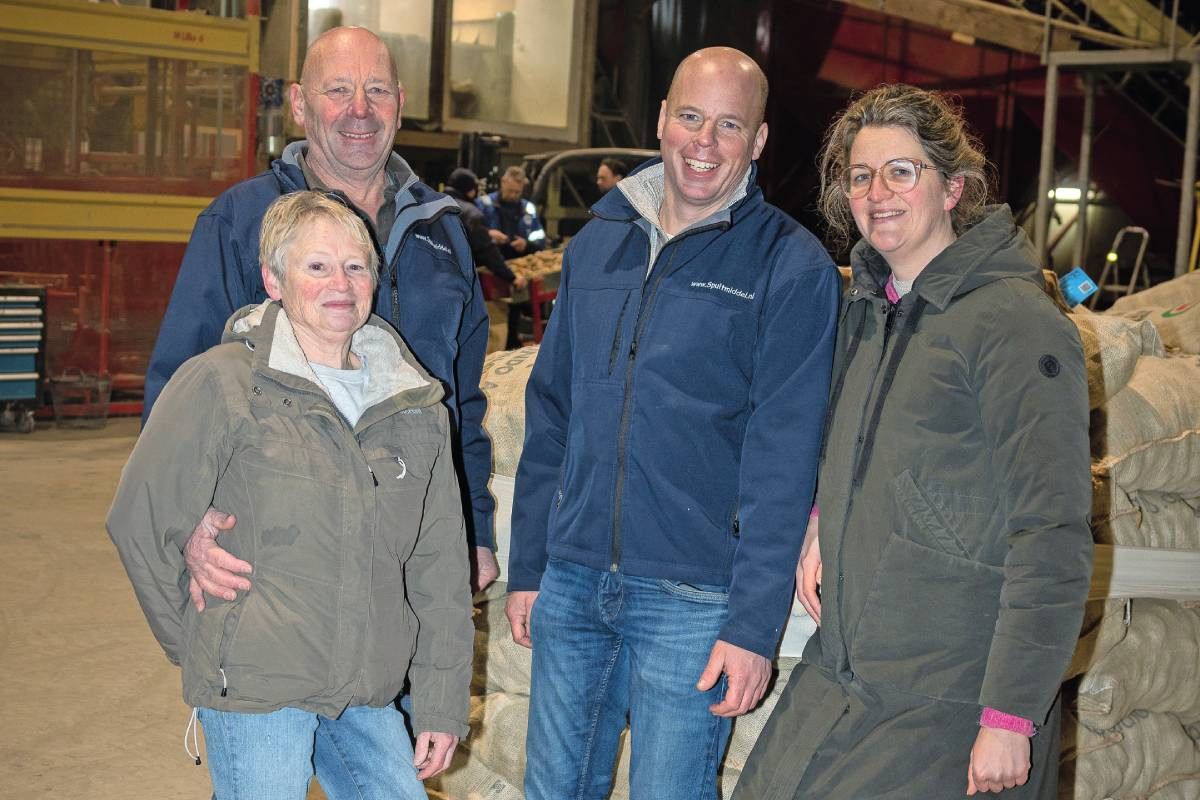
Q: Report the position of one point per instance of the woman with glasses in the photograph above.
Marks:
(950, 559)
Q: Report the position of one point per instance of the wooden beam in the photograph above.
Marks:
(1139, 19)
(1015, 33)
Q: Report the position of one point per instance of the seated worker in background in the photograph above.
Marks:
(609, 173)
(316, 426)
(513, 220)
(463, 186)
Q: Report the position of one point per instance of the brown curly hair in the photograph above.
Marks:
(935, 122)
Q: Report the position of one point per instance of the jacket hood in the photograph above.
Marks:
(992, 249)
(643, 193)
(394, 372)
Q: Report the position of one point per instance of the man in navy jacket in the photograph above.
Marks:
(673, 424)
(512, 220)
(349, 102)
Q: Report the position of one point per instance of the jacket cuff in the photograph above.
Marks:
(991, 718)
(480, 530)
(433, 723)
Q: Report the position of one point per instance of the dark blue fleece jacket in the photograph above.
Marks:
(673, 420)
(428, 290)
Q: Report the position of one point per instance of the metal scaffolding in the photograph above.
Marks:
(1092, 63)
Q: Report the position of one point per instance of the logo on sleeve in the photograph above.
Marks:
(432, 243)
(1049, 366)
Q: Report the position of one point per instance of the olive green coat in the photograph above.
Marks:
(954, 494)
(356, 535)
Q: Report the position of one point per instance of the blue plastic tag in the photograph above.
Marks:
(1076, 286)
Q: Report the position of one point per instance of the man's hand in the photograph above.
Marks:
(484, 569)
(517, 608)
(999, 761)
(808, 573)
(520, 281)
(498, 237)
(211, 569)
(433, 752)
(518, 244)
(747, 675)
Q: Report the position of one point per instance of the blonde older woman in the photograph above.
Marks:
(313, 424)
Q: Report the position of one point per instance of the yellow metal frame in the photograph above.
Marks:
(139, 31)
(55, 214)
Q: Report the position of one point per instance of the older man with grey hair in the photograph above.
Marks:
(349, 101)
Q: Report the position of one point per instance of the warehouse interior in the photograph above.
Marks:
(127, 117)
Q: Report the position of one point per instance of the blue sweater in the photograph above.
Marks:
(673, 421)
(428, 290)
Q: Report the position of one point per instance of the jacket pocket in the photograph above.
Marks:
(277, 643)
(930, 526)
(403, 477)
(927, 623)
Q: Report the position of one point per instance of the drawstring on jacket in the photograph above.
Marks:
(889, 374)
(194, 744)
(193, 724)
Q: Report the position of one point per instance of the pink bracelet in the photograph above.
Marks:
(991, 718)
(814, 513)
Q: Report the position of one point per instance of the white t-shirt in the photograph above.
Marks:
(347, 388)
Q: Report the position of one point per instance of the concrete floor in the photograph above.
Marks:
(92, 708)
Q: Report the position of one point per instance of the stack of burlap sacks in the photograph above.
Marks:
(1131, 732)
(1132, 729)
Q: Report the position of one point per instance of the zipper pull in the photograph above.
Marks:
(374, 479)
(633, 349)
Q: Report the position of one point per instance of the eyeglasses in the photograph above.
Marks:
(899, 175)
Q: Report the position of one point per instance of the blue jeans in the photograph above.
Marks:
(365, 754)
(606, 646)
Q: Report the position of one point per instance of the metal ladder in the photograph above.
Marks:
(1112, 263)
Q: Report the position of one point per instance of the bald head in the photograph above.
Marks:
(710, 129)
(349, 101)
(724, 64)
(344, 40)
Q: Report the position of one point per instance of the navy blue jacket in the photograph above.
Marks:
(673, 422)
(427, 284)
(516, 218)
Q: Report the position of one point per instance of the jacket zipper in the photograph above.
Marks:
(393, 273)
(343, 425)
(616, 344)
(639, 328)
(844, 657)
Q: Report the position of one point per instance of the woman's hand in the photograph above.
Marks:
(808, 572)
(999, 761)
(433, 752)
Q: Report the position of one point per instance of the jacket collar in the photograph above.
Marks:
(394, 375)
(416, 203)
(399, 173)
(642, 197)
(992, 249)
